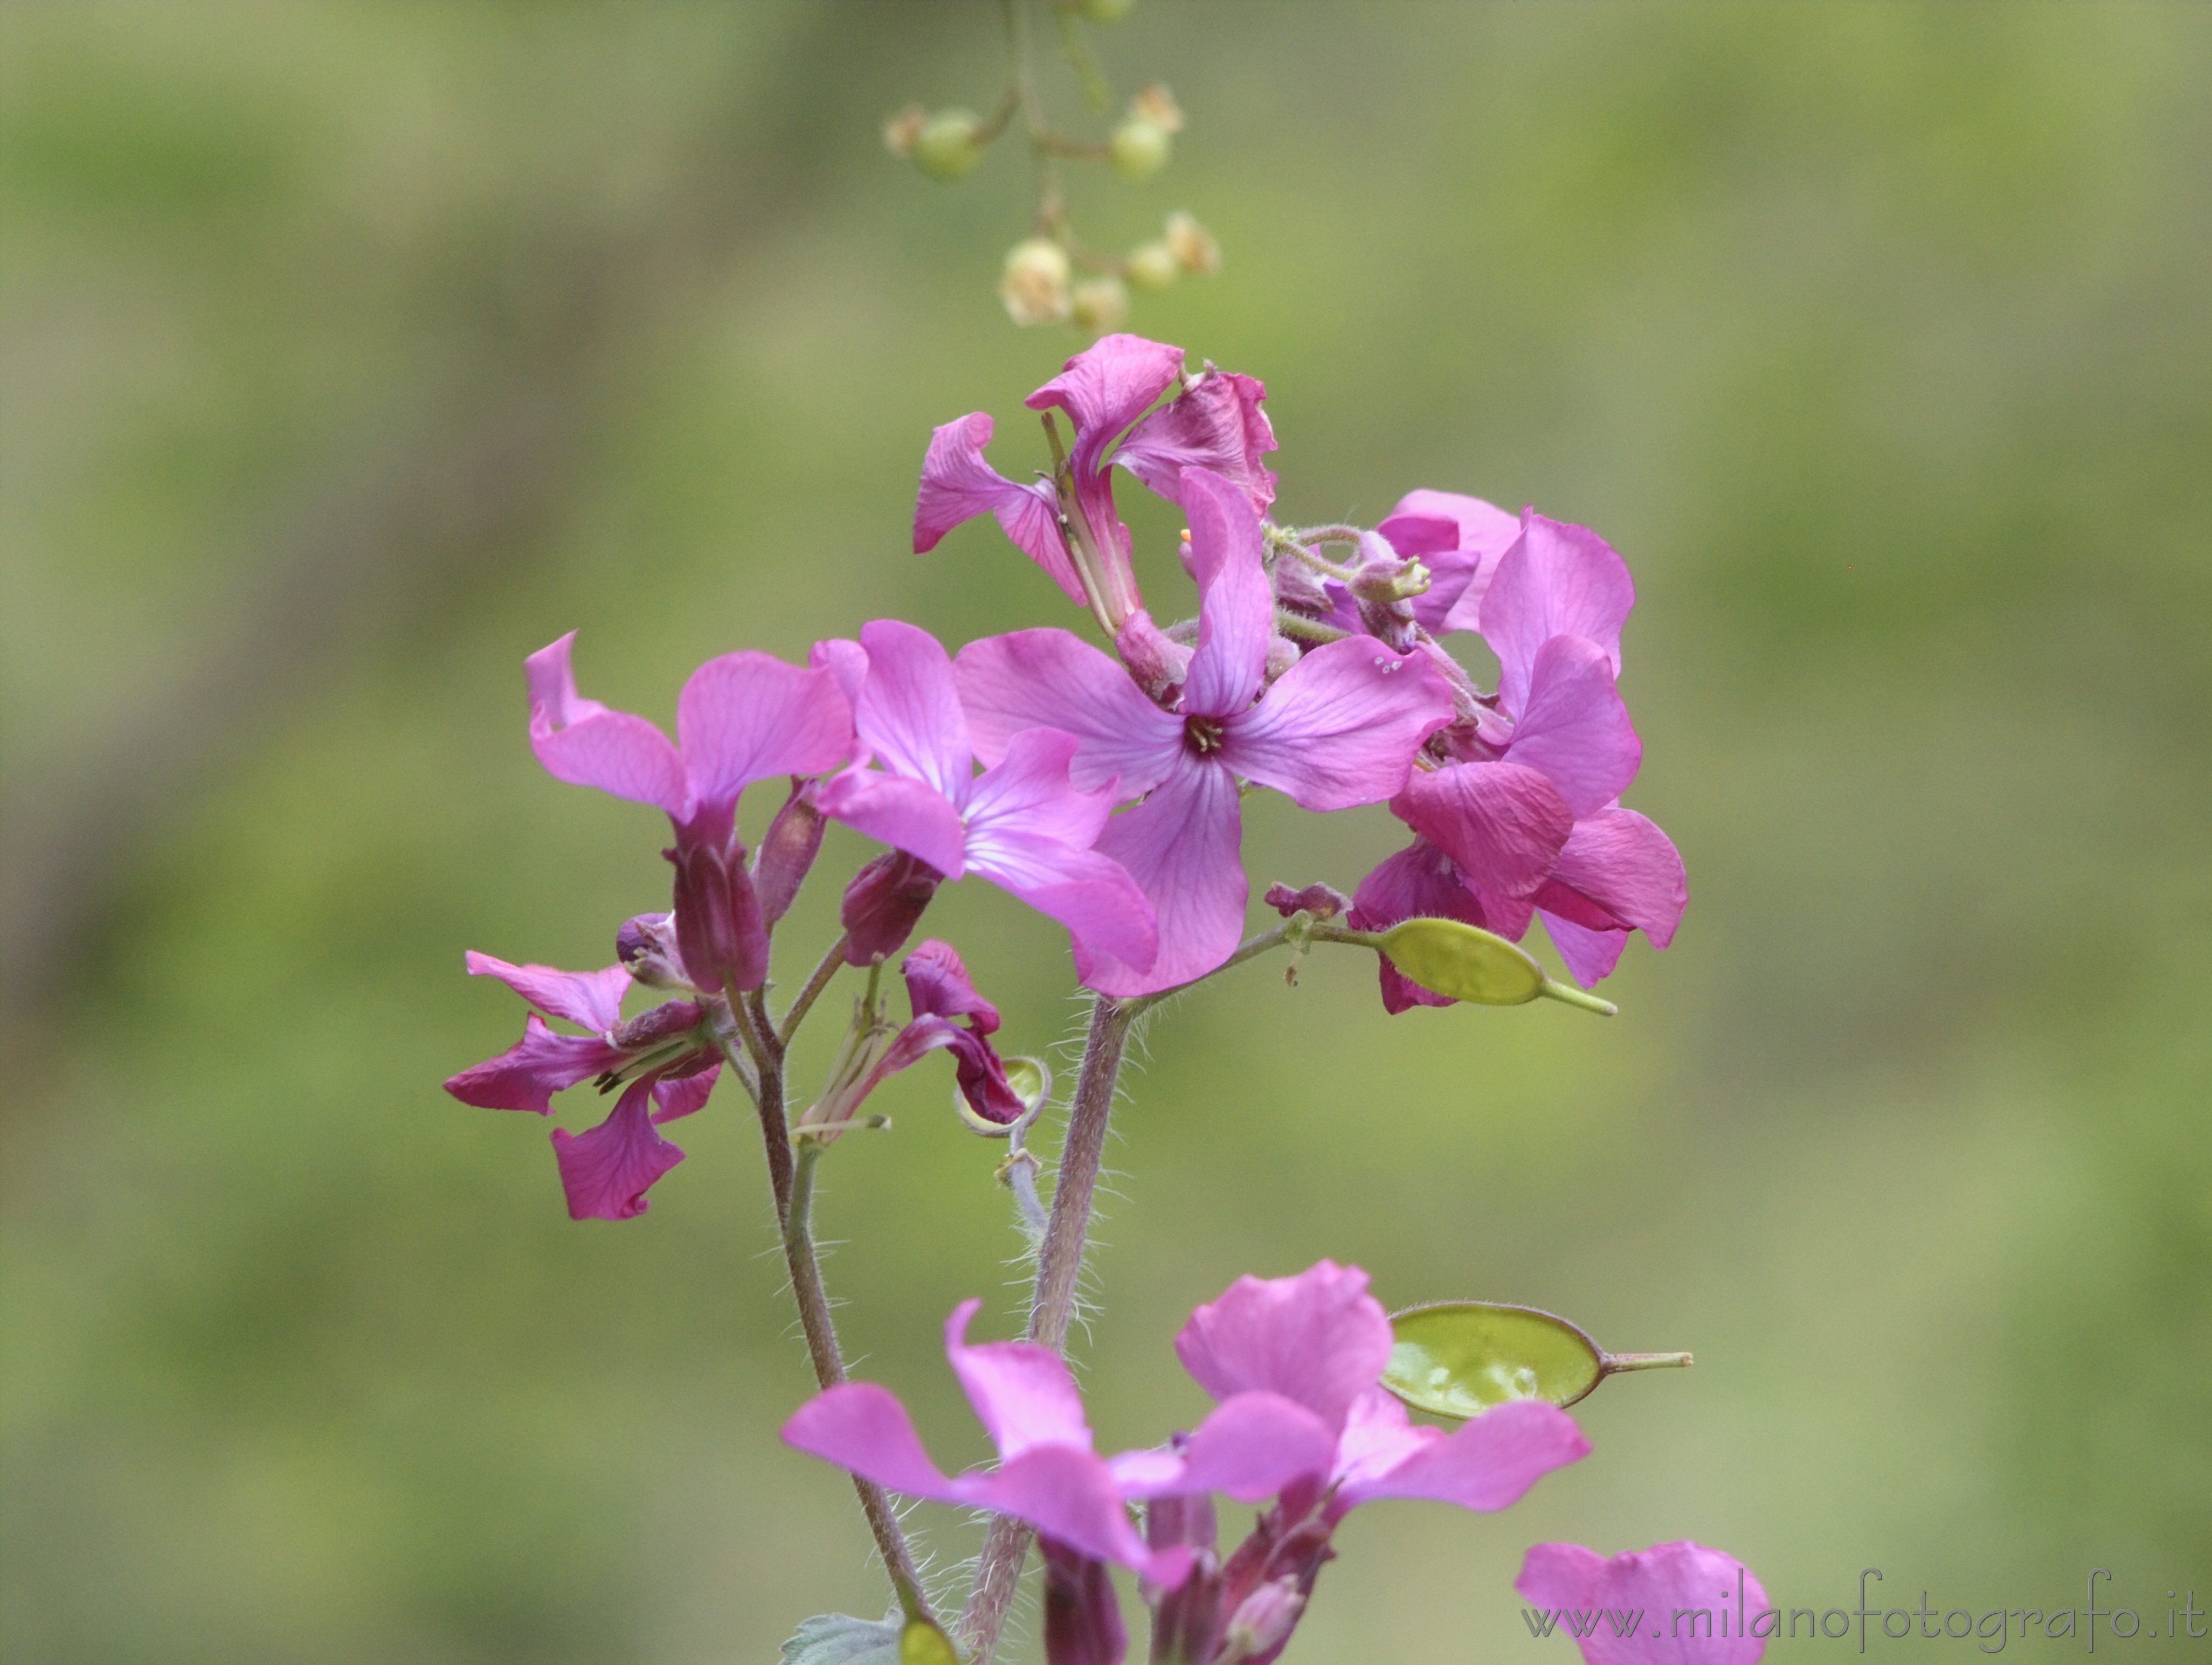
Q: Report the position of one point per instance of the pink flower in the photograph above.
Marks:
(740, 718)
(1021, 824)
(669, 1054)
(1672, 1604)
(1340, 727)
(1070, 528)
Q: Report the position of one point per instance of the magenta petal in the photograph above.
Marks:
(1071, 1495)
(1502, 824)
(1046, 678)
(1251, 1446)
(1660, 1582)
(1030, 790)
(1319, 1339)
(584, 743)
(1214, 423)
(607, 1171)
(1179, 845)
(860, 1426)
(1557, 580)
(1090, 892)
(1590, 953)
(591, 999)
(1488, 1463)
(528, 1074)
(1106, 387)
(1575, 728)
(680, 1096)
(1485, 533)
(1023, 1393)
(1627, 866)
(1341, 726)
(905, 815)
(908, 713)
(956, 484)
(847, 661)
(745, 717)
(1236, 609)
(937, 985)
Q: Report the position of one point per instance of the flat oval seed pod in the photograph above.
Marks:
(1459, 1358)
(1449, 958)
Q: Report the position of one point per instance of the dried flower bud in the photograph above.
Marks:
(646, 947)
(902, 131)
(1034, 284)
(1193, 245)
(1098, 304)
(945, 147)
(1156, 105)
(1152, 266)
(1139, 147)
(1322, 902)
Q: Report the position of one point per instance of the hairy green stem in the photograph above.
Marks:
(829, 967)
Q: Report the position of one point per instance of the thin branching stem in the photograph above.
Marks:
(815, 984)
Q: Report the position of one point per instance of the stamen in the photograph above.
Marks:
(1204, 734)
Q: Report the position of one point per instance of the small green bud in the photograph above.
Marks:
(945, 147)
(1139, 147)
(922, 1644)
(1104, 11)
(1152, 266)
(1098, 304)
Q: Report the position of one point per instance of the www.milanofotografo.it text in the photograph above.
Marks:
(1990, 1629)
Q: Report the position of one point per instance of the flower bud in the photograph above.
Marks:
(1152, 266)
(945, 147)
(1192, 244)
(788, 850)
(1034, 284)
(1264, 1620)
(1156, 105)
(1099, 304)
(719, 933)
(1322, 902)
(646, 947)
(1082, 1617)
(1139, 147)
(883, 903)
(902, 131)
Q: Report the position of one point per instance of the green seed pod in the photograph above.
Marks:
(1138, 148)
(1457, 1358)
(1449, 958)
(945, 147)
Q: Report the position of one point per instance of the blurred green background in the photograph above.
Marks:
(352, 353)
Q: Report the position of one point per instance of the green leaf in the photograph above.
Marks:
(1458, 1359)
(837, 1639)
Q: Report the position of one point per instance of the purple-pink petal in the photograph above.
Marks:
(607, 1171)
(1591, 952)
(1047, 678)
(1071, 1495)
(1087, 890)
(1179, 845)
(1023, 1393)
(1251, 1446)
(1502, 824)
(1237, 609)
(590, 999)
(1557, 580)
(1105, 387)
(1030, 790)
(1661, 1582)
(908, 712)
(583, 743)
(1488, 1463)
(1575, 728)
(1419, 881)
(745, 717)
(1318, 1339)
(1214, 423)
(528, 1074)
(1485, 533)
(863, 1428)
(907, 814)
(675, 1097)
(937, 983)
(957, 484)
(1341, 727)
(1622, 862)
